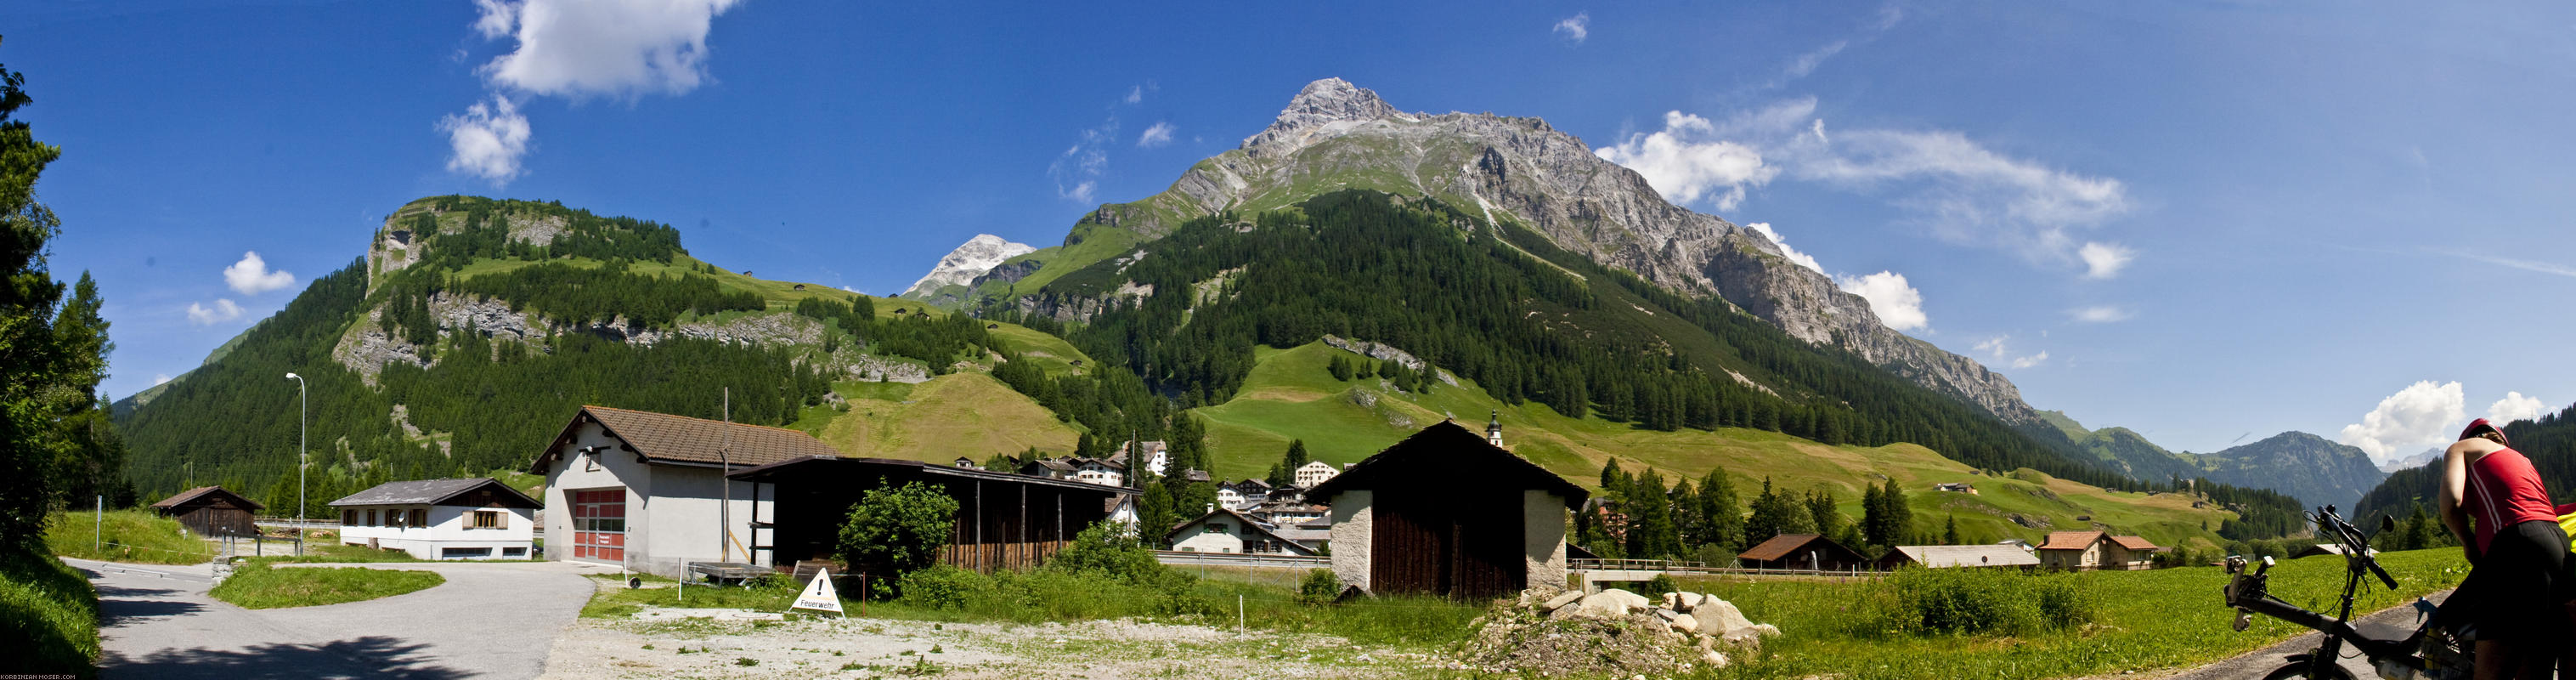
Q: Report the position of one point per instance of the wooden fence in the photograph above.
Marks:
(986, 557)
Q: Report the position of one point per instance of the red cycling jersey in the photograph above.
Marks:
(2504, 490)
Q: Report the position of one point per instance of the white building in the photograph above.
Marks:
(1227, 497)
(1100, 471)
(1157, 455)
(648, 491)
(1315, 472)
(441, 519)
(1227, 531)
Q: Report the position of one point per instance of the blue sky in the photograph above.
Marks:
(2196, 220)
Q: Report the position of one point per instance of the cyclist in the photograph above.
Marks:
(2516, 592)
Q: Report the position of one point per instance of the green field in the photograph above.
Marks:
(256, 585)
(2148, 620)
(1290, 394)
(959, 414)
(130, 536)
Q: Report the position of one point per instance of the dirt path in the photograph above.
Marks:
(862, 648)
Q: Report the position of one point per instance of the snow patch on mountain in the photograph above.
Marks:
(972, 259)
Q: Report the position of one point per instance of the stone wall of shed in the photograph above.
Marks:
(1352, 537)
(1543, 532)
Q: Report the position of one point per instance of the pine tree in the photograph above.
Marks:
(1950, 534)
(1723, 512)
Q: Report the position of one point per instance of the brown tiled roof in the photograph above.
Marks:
(664, 437)
(1776, 548)
(193, 494)
(2133, 542)
(2070, 540)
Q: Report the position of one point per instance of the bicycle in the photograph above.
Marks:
(2428, 654)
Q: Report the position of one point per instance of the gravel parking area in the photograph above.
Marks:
(866, 648)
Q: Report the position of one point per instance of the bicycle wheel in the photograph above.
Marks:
(2301, 670)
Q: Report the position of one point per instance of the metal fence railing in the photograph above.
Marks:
(1681, 567)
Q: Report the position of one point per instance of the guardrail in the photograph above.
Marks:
(293, 523)
(1178, 557)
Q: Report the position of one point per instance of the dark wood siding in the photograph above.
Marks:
(1441, 541)
(1001, 523)
(217, 519)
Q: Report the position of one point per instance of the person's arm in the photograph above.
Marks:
(2455, 484)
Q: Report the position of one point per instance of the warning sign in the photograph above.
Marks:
(818, 595)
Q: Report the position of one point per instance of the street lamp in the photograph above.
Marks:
(302, 410)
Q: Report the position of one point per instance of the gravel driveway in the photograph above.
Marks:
(488, 620)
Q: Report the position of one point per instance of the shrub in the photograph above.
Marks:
(1110, 553)
(899, 529)
(1919, 601)
(1660, 584)
(946, 587)
(1319, 587)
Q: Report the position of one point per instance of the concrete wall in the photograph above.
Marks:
(1198, 538)
(447, 529)
(1351, 532)
(671, 510)
(1543, 537)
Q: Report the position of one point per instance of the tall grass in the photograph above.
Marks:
(48, 616)
(132, 536)
(1918, 601)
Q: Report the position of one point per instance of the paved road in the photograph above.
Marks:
(2392, 622)
(493, 620)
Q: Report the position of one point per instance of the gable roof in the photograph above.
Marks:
(2134, 543)
(1445, 445)
(209, 494)
(1255, 525)
(666, 438)
(1939, 556)
(2070, 540)
(438, 492)
(1780, 546)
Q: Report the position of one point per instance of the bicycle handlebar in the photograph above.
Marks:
(2357, 548)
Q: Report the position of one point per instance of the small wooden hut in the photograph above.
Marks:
(211, 511)
(1803, 552)
(1446, 512)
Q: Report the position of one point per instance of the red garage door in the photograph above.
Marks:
(599, 525)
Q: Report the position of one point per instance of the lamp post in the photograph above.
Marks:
(302, 410)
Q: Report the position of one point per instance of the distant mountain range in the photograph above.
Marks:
(953, 278)
(2312, 468)
(2412, 462)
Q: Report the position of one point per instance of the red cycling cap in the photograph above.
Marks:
(2481, 425)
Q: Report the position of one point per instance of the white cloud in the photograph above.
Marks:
(158, 378)
(224, 310)
(1999, 348)
(1575, 28)
(1135, 94)
(1805, 64)
(2514, 406)
(1687, 160)
(251, 276)
(1897, 303)
(1801, 259)
(1952, 186)
(487, 141)
(2410, 420)
(2101, 314)
(2104, 260)
(1158, 135)
(600, 47)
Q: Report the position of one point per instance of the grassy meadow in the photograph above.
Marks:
(257, 585)
(48, 616)
(2146, 620)
(132, 536)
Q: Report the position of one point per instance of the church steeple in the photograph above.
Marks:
(1494, 430)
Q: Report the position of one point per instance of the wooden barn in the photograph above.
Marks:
(211, 511)
(1004, 520)
(1446, 512)
(1804, 552)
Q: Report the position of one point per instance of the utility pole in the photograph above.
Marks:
(724, 512)
(303, 412)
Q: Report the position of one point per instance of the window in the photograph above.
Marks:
(514, 552)
(1215, 527)
(348, 516)
(453, 553)
(419, 517)
(487, 519)
(371, 519)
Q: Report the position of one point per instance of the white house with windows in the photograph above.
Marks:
(441, 519)
(1315, 472)
(1226, 531)
(1101, 471)
(647, 491)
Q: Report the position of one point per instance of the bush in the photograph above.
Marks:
(1110, 553)
(1319, 587)
(946, 587)
(1660, 584)
(1918, 601)
(898, 530)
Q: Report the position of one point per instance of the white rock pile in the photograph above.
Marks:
(1613, 633)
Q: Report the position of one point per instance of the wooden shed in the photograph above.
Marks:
(1806, 552)
(1004, 520)
(1446, 512)
(211, 511)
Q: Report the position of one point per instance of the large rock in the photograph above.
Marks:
(1561, 600)
(1612, 603)
(1719, 617)
(1749, 636)
(1680, 622)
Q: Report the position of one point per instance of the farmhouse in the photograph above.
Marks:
(1225, 531)
(211, 511)
(2079, 550)
(648, 491)
(1957, 556)
(441, 519)
(1004, 520)
(1446, 512)
(1802, 552)
(1315, 472)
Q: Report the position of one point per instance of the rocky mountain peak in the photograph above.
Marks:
(971, 259)
(1331, 103)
